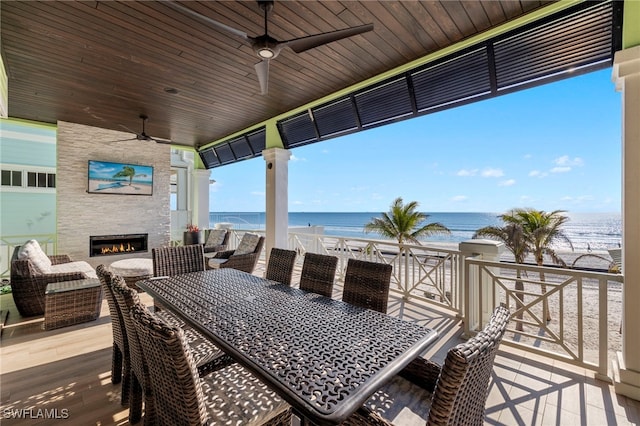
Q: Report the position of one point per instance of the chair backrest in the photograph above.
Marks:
(463, 385)
(217, 240)
(318, 273)
(117, 323)
(248, 244)
(177, 391)
(126, 298)
(170, 261)
(366, 284)
(280, 266)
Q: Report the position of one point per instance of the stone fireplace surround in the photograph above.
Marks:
(81, 215)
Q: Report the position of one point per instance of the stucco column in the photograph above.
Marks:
(277, 197)
(201, 197)
(626, 75)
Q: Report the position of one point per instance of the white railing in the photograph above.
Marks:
(426, 273)
(583, 324)
(48, 243)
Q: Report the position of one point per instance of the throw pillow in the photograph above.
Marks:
(216, 237)
(32, 251)
(247, 244)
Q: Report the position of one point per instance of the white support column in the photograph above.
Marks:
(626, 75)
(277, 197)
(201, 198)
(478, 290)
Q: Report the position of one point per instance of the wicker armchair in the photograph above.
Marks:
(366, 284)
(460, 387)
(170, 261)
(28, 287)
(208, 357)
(228, 396)
(244, 262)
(280, 266)
(214, 243)
(318, 273)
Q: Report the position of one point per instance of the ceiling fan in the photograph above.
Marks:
(267, 47)
(143, 136)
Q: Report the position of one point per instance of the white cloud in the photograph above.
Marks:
(560, 169)
(258, 193)
(294, 158)
(568, 162)
(527, 156)
(489, 172)
(297, 203)
(537, 173)
(459, 198)
(465, 172)
(508, 182)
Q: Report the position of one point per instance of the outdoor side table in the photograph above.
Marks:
(133, 270)
(72, 302)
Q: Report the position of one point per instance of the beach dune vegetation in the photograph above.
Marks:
(127, 172)
(404, 223)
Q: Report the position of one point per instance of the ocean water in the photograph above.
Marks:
(587, 231)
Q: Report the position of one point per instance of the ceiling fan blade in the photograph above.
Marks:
(301, 44)
(220, 25)
(124, 140)
(262, 69)
(162, 141)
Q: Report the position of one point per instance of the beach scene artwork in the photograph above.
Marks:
(120, 178)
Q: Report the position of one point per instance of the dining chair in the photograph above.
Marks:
(318, 273)
(170, 261)
(452, 394)
(280, 265)
(228, 396)
(366, 284)
(207, 356)
(120, 363)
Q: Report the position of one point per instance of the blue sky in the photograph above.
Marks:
(557, 146)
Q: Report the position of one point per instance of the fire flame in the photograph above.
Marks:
(122, 248)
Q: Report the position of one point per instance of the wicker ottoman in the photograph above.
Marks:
(72, 302)
(133, 270)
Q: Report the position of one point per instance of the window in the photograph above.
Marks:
(28, 179)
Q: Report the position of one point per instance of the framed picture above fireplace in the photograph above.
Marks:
(119, 178)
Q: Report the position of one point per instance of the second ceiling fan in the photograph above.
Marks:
(267, 47)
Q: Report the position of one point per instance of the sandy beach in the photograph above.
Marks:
(119, 187)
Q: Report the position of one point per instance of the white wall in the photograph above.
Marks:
(81, 214)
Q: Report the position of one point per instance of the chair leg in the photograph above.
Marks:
(135, 400)
(116, 365)
(126, 383)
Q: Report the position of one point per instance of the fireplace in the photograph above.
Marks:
(107, 245)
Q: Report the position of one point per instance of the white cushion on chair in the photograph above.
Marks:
(216, 237)
(32, 251)
(247, 244)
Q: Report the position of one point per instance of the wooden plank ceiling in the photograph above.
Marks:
(104, 63)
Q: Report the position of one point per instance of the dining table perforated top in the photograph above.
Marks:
(323, 356)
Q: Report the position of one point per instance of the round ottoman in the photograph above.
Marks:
(133, 270)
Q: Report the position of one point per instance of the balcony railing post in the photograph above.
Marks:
(478, 290)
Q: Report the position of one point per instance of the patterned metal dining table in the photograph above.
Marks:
(325, 357)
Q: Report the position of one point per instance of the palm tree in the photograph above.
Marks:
(513, 237)
(543, 229)
(126, 171)
(402, 223)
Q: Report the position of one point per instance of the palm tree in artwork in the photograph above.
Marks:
(513, 237)
(127, 171)
(543, 230)
(404, 223)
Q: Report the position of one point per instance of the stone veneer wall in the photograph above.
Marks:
(80, 214)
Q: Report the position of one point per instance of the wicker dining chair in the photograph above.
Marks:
(170, 261)
(120, 362)
(280, 265)
(452, 394)
(366, 284)
(228, 396)
(208, 357)
(318, 273)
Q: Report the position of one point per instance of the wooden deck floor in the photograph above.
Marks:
(67, 373)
